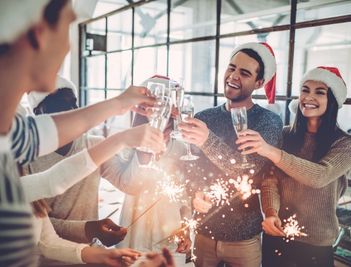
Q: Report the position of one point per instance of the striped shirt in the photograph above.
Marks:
(16, 233)
(21, 145)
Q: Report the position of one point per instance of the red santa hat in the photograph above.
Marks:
(34, 98)
(331, 77)
(267, 55)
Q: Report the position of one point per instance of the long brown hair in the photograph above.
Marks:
(328, 131)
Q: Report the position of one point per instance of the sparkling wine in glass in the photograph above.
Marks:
(239, 119)
(177, 94)
(159, 118)
(187, 111)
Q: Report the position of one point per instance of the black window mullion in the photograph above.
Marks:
(218, 29)
(291, 58)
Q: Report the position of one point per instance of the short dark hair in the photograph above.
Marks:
(253, 54)
(52, 11)
(63, 99)
(51, 16)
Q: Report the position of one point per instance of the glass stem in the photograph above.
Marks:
(244, 159)
(188, 149)
(152, 160)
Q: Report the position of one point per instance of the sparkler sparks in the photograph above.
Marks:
(244, 185)
(292, 228)
(219, 192)
(171, 189)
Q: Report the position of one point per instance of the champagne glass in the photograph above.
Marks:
(156, 89)
(187, 111)
(177, 94)
(159, 118)
(239, 119)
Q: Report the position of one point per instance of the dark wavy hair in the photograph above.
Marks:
(328, 131)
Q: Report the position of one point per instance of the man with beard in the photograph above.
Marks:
(232, 236)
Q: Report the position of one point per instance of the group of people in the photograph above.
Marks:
(50, 167)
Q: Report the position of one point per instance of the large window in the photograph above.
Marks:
(192, 40)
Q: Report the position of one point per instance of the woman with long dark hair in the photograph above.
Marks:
(309, 175)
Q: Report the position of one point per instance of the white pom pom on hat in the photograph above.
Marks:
(266, 53)
(35, 98)
(331, 77)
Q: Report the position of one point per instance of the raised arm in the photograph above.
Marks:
(33, 137)
(222, 155)
(69, 171)
(314, 174)
(319, 174)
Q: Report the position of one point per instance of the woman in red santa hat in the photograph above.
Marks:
(309, 175)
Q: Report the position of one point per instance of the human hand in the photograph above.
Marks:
(106, 231)
(272, 225)
(250, 141)
(184, 244)
(202, 203)
(137, 99)
(156, 260)
(110, 257)
(144, 136)
(194, 131)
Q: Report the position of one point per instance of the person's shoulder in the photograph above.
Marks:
(270, 115)
(344, 139)
(263, 115)
(208, 113)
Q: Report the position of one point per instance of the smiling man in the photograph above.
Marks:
(232, 236)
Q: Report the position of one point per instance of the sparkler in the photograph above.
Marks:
(244, 185)
(144, 212)
(219, 192)
(171, 189)
(292, 228)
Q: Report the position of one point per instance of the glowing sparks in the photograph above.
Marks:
(244, 186)
(292, 228)
(219, 192)
(190, 224)
(171, 189)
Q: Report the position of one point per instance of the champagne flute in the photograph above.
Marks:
(187, 111)
(159, 118)
(177, 94)
(156, 89)
(239, 119)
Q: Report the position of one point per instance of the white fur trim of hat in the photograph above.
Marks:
(34, 98)
(266, 56)
(293, 106)
(17, 16)
(331, 77)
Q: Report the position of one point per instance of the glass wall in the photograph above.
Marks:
(192, 40)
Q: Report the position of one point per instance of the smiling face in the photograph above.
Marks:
(240, 78)
(313, 99)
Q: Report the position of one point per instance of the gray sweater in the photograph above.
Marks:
(310, 189)
(239, 222)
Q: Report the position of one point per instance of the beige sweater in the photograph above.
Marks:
(309, 189)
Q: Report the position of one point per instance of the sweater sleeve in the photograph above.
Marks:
(226, 157)
(319, 174)
(56, 248)
(125, 172)
(70, 229)
(57, 179)
(270, 196)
